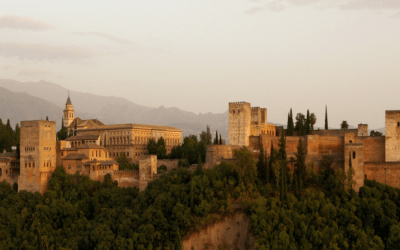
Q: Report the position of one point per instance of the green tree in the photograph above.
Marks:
(261, 165)
(307, 123)
(344, 125)
(326, 118)
(313, 120)
(62, 134)
(247, 165)
(152, 147)
(216, 137)
(199, 168)
(220, 139)
(300, 167)
(375, 133)
(300, 124)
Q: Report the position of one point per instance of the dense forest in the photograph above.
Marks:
(289, 208)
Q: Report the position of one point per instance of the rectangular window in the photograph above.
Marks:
(354, 155)
(351, 141)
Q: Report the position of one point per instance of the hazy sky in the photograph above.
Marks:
(200, 55)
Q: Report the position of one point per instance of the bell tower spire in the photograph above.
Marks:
(69, 112)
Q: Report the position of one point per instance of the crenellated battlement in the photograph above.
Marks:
(37, 123)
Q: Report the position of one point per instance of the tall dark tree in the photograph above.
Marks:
(290, 125)
(216, 138)
(307, 124)
(300, 166)
(76, 127)
(300, 123)
(326, 118)
(47, 118)
(313, 120)
(282, 147)
(261, 164)
(220, 139)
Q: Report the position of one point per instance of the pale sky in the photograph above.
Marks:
(200, 55)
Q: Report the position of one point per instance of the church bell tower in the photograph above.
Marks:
(69, 113)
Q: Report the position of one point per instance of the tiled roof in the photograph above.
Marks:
(75, 157)
(133, 126)
(107, 163)
(9, 154)
(83, 137)
(90, 145)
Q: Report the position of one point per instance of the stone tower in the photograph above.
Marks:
(239, 123)
(392, 135)
(38, 155)
(69, 113)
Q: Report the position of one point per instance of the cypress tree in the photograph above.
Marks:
(282, 147)
(260, 164)
(192, 196)
(47, 118)
(266, 168)
(271, 160)
(220, 139)
(282, 186)
(308, 123)
(76, 127)
(288, 132)
(199, 168)
(216, 137)
(326, 117)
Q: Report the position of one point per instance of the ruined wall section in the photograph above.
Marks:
(147, 170)
(126, 178)
(170, 164)
(392, 134)
(38, 155)
(239, 123)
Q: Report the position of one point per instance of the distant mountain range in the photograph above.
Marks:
(36, 100)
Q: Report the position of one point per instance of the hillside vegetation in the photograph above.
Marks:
(322, 212)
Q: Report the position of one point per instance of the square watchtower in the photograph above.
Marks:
(239, 123)
(38, 155)
(392, 135)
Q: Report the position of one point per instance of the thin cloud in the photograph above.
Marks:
(279, 5)
(33, 72)
(397, 15)
(24, 23)
(254, 10)
(371, 4)
(29, 51)
(7, 67)
(104, 35)
(275, 6)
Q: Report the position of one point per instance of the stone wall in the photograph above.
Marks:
(216, 153)
(392, 134)
(334, 132)
(170, 164)
(126, 178)
(384, 172)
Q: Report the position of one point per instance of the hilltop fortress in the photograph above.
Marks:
(93, 151)
(373, 157)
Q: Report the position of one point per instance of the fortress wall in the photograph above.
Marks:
(215, 154)
(374, 148)
(334, 132)
(383, 172)
(171, 164)
(126, 178)
(254, 143)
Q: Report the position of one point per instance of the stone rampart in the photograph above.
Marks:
(126, 178)
(384, 172)
(170, 164)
